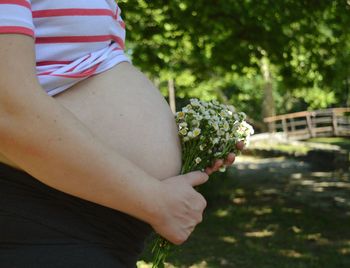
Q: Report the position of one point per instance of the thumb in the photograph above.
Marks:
(196, 178)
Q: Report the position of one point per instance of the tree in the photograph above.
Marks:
(297, 50)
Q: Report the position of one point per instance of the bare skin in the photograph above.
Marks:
(56, 141)
(131, 117)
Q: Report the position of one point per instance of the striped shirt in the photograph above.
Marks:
(74, 39)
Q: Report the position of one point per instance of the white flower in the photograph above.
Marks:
(231, 109)
(220, 132)
(196, 132)
(206, 112)
(226, 126)
(180, 115)
(207, 116)
(245, 129)
(215, 126)
(183, 132)
(240, 130)
(212, 126)
(205, 104)
(195, 102)
(183, 125)
(195, 123)
(188, 109)
(223, 113)
(216, 118)
(217, 154)
(249, 127)
(242, 115)
(222, 169)
(215, 140)
(198, 117)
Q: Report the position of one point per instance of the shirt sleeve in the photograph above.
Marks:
(16, 17)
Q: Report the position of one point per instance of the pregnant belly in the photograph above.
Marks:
(125, 110)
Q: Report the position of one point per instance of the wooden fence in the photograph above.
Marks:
(309, 124)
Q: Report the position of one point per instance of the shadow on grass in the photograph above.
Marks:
(271, 213)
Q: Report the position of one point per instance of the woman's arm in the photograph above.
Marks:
(51, 144)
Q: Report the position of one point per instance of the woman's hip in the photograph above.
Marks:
(58, 256)
(36, 218)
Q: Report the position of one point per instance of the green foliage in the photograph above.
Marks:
(213, 49)
(315, 97)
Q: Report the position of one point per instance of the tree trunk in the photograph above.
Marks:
(268, 104)
(347, 102)
(171, 89)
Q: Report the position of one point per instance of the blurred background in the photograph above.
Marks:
(286, 201)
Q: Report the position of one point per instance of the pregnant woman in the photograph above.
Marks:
(89, 152)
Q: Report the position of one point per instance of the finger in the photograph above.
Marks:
(192, 229)
(196, 178)
(240, 145)
(218, 164)
(208, 170)
(230, 159)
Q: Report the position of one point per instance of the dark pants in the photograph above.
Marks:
(42, 227)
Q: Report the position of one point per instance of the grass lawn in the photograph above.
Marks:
(271, 213)
(342, 142)
(303, 147)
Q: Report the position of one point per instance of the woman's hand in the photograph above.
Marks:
(227, 162)
(180, 206)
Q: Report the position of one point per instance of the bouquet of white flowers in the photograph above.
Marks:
(208, 131)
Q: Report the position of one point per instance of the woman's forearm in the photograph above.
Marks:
(50, 143)
(47, 141)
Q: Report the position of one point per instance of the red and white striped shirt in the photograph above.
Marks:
(74, 39)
